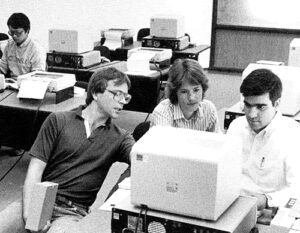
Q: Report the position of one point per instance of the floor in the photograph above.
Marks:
(223, 92)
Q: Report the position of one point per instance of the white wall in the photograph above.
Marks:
(95, 15)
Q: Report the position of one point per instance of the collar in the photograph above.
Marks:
(270, 127)
(25, 43)
(178, 114)
(79, 115)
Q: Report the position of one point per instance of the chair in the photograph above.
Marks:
(104, 51)
(140, 130)
(3, 36)
(142, 33)
(188, 36)
(81, 84)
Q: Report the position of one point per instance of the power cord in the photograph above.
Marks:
(31, 135)
(143, 207)
(6, 96)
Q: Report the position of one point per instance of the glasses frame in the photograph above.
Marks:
(119, 95)
(16, 33)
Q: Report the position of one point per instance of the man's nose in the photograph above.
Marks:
(123, 101)
(252, 112)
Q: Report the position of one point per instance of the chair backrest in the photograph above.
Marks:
(104, 51)
(81, 84)
(3, 36)
(142, 33)
(188, 36)
(140, 130)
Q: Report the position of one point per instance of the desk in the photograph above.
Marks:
(144, 89)
(84, 74)
(240, 217)
(17, 117)
(191, 52)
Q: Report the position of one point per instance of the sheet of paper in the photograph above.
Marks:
(33, 89)
(115, 198)
(113, 39)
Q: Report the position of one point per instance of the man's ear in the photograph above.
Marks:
(94, 96)
(277, 103)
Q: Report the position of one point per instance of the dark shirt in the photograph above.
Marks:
(77, 163)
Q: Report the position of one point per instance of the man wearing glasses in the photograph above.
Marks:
(76, 149)
(21, 54)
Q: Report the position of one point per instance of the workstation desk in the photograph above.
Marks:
(21, 120)
(100, 220)
(145, 88)
(191, 52)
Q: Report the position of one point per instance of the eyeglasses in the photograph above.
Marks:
(119, 95)
(17, 33)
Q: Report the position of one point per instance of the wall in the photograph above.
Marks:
(94, 15)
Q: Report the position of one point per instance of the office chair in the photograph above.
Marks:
(81, 84)
(3, 36)
(188, 36)
(140, 130)
(142, 33)
(104, 51)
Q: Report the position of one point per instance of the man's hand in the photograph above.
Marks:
(45, 229)
(261, 200)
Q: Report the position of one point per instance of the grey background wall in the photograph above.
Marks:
(91, 16)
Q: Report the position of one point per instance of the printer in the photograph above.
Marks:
(155, 54)
(57, 81)
(143, 58)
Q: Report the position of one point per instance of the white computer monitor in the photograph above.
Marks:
(290, 78)
(186, 172)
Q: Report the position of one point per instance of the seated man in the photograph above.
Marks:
(21, 55)
(270, 142)
(76, 149)
(185, 106)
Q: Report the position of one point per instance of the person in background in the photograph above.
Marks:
(185, 106)
(76, 150)
(270, 142)
(22, 54)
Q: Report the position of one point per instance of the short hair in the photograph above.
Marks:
(98, 81)
(19, 20)
(185, 70)
(262, 81)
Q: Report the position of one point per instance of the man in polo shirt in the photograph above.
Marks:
(76, 150)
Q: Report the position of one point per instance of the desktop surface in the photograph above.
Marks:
(21, 119)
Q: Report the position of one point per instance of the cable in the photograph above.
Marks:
(143, 207)
(31, 135)
(6, 96)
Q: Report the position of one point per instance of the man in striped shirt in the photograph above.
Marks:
(185, 106)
